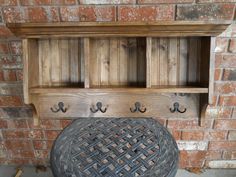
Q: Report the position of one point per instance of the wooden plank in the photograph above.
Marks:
(114, 61)
(164, 61)
(149, 56)
(87, 67)
(44, 55)
(56, 64)
(65, 62)
(183, 61)
(193, 61)
(123, 61)
(172, 62)
(156, 89)
(74, 57)
(25, 46)
(119, 29)
(132, 62)
(157, 105)
(141, 63)
(103, 59)
(212, 70)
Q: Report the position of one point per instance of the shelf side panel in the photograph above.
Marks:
(31, 70)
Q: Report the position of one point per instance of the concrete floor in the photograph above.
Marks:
(29, 171)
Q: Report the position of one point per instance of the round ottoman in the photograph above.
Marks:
(113, 147)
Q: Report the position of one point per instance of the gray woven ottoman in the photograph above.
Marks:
(113, 147)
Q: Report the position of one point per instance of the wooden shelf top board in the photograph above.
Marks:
(118, 29)
(64, 90)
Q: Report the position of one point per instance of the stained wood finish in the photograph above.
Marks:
(60, 62)
(117, 62)
(178, 61)
(108, 89)
(118, 105)
(121, 29)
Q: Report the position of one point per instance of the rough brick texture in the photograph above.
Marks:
(213, 144)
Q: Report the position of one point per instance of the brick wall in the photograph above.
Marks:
(212, 145)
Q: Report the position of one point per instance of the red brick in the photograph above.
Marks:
(176, 134)
(50, 124)
(221, 44)
(4, 48)
(232, 135)
(163, 1)
(52, 134)
(19, 75)
(205, 12)
(3, 124)
(192, 158)
(225, 88)
(192, 135)
(18, 144)
(97, 13)
(42, 2)
(215, 135)
(145, 13)
(13, 14)
(8, 2)
(88, 13)
(37, 14)
(107, 1)
(218, 74)
(16, 47)
(222, 145)
(10, 101)
(54, 14)
(213, 155)
(225, 61)
(20, 123)
(42, 145)
(227, 101)
(182, 124)
(41, 154)
(232, 46)
(65, 123)
(26, 2)
(69, 2)
(21, 153)
(225, 124)
(9, 75)
(229, 155)
(5, 32)
(19, 161)
(69, 14)
(219, 112)
(15, 134)
(39, 145)
(36, 134)
(229, 74)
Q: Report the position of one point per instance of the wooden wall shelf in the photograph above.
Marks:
(77, 65)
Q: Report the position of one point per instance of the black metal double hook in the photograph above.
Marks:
(59, 107)
(176, 108)
(138, 107)
(99, 108)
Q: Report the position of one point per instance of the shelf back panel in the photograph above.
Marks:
(60, 62)
(178, 61)
(117, 62)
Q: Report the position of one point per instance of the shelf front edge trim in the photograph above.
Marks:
(132, 29)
